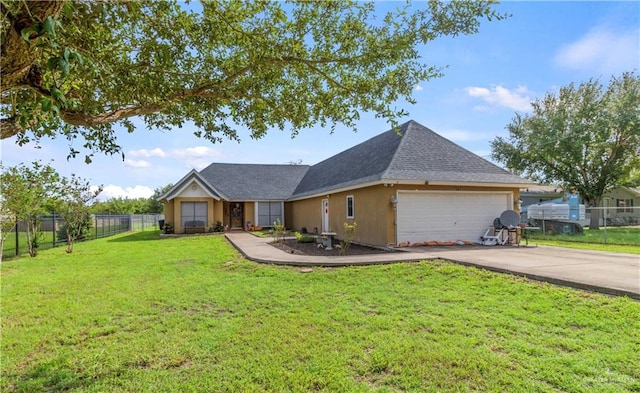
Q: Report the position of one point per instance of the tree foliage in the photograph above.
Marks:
(79, 69)
(122, 205)
(585, 137)
(27, 194)
(73, 203)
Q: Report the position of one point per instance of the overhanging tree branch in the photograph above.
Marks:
(92, 65)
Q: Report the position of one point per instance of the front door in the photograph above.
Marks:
(325, 215)
(237, 215)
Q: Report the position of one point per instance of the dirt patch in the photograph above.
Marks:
(293, 247)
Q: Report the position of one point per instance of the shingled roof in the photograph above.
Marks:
(254, 182)
(412, 153)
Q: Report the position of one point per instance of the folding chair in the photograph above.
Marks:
(497, 238)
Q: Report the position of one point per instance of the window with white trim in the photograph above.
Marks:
(624, 205)
(351, 212)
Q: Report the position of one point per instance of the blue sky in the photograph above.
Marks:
(489, 76)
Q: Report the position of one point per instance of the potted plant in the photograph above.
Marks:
(168, 227)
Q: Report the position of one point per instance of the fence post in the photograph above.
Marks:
(604, 214)
(17, 241)
(53, 228)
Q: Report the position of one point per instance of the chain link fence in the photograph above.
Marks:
(616, 225)
(53, 230)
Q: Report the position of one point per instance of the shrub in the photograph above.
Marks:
(78, 233)
(278, 231)
(302, 238)
(349, 234)
(218, 227)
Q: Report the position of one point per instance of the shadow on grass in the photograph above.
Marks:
(50, 378)
(136, 237)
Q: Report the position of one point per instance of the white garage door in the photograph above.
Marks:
(448, 216)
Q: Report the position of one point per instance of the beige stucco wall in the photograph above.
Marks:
(305, 213)
(168, 211)
(288, 215)
(249, 213)
(374, 218)
(173, 211)
(374, 213)
(217, 212)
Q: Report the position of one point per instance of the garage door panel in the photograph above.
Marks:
(450, 216)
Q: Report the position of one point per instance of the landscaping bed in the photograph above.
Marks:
(294, 247)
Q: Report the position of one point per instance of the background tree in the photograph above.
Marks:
(7, 223)
(122, 205)
(154, 204)
(27, 194)
(73, 204)
(77, 69)
(633, 178)
(585, 137)
(117, 205)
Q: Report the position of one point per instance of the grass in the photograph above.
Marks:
(612, 239)
(138, 313)
(9, 245)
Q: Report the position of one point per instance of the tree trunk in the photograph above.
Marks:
(594, 222)
(17, 56)
(69, 240)
(31, 237)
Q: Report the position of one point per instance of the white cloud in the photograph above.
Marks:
(197, 157)
(198, 163)
(601, 50)
(196, 151)
(144, 153)
(419, 88)
(463, 136)
(499, 96)
(137, 164)
(113, 191)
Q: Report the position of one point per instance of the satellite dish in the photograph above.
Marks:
(510, 218)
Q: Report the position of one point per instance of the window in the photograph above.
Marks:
(624, 205)
(269, 212)
(351, 213)
(194, 214)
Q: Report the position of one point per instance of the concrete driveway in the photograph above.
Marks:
(605, 272)
(612, 273)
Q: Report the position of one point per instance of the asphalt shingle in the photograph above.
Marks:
(254, 182)
(409, 153)
(412, 152)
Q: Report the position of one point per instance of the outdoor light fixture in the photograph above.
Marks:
(394, 201)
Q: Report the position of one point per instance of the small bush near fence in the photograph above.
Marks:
(53, 230)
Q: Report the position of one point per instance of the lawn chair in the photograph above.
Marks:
(497, 237)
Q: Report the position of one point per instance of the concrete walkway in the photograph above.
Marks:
(605, 272)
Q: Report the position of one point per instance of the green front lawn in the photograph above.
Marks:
(613, 239)
(138, 313)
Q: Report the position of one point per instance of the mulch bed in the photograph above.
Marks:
(293, 247)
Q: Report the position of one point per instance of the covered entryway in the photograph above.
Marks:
(237, 215)
(448, 215)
